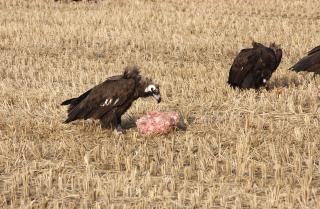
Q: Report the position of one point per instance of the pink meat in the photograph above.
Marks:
(158, 122)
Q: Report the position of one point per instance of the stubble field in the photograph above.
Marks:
(242, 149)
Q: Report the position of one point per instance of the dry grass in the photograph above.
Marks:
(241, 150)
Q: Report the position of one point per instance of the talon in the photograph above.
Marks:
(120, 130)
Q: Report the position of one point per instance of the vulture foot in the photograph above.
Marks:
(120, 130)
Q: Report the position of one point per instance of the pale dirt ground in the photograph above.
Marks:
(241, 150)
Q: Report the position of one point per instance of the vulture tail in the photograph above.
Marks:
(78, 113)
(75, 101)
(232, 84)
(69, 101)
(73, 114)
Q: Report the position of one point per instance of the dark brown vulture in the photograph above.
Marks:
(309, 63)
(109, 100)
(253, 67)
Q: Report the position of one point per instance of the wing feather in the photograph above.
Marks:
(254, 66)
(95, 106)
(309, 63)
(242, 65)
(314, 50)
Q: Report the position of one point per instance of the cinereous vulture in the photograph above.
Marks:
(109, 100)
(253, 67)
(309, 63)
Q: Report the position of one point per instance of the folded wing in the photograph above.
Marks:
(103, 98)
(309, 63)
(242, 66)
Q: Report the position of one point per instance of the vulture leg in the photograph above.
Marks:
(119, 127)
(112, 121)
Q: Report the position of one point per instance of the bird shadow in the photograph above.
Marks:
(191, 119)
(285, 82)
(129, 122)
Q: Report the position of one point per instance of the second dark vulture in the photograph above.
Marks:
(109, 100)
(309, 63)
(253, 67)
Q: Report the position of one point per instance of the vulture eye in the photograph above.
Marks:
(150, 88)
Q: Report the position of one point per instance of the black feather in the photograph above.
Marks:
(109, 100)
(132, 72)
(302, 65)
(309, 63)
(75, 101)
(68, 102)
(75, 114)
(314, 50)
(252, 67)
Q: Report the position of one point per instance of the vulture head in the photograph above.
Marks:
(145, 86)
(277, 52)
(149, 89)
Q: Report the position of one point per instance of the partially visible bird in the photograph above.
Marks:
(109, 100)
(309, 63)
(253, 67)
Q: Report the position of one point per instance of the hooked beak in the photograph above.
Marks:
(157, 97)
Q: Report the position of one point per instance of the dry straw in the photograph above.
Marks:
(242, 149)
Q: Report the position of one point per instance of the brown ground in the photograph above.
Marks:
(241, 150)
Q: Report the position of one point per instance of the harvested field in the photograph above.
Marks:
(242, 149)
